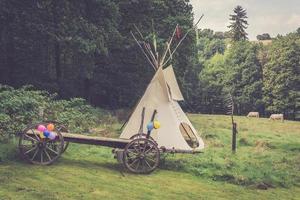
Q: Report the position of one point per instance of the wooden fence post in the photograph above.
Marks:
(234, 133)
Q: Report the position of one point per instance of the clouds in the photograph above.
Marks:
(268, 16)
(294, 20)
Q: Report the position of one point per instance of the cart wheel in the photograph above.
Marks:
(37, 150)
(62, 128)
(66, 144)
(141, 156)
(143, 135)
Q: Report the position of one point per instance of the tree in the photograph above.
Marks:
(212, 86)
(219, 35)
(55, 45)
(238, 24)
(244, 76)
(264, 36)
(209, 44)
(227, 34)
(282, 76)
(84, 48)
(211, 48)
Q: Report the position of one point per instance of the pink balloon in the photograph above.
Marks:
(41, 128)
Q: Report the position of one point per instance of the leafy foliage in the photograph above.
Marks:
(20, 107)
(212, 84)
(261, 78)
(236, 70)
(282, 75)
(84, 48)
(264, 36)
(238, 24)
(244, 77)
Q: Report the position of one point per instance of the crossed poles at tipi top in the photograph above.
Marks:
(153, 57)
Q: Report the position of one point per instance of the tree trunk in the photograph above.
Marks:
(57, 47)
(87, 87)
(10, 58)
(57, 53)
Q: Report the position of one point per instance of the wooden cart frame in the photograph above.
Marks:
(139, 154)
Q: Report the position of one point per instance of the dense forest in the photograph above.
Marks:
(83, 48)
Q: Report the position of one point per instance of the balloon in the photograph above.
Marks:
(41, 134)
(50, 127)
(150, 126)
(41, 128)
(52, 136)
(46, 133)
(156, 124)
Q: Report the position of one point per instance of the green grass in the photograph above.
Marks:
(268, 156)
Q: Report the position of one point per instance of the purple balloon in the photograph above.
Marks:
(52, 136)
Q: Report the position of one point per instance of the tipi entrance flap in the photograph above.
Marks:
(188, 135)
(168, 135)
(172, 83)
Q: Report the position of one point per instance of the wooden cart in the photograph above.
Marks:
(140, 154)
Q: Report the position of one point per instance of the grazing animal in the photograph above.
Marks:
(253, 114)
(276, 117)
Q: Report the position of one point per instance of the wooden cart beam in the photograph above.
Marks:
(101, 141)
(181, 151)
(93, 140)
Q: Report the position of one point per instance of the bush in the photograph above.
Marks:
(75, 113)
(20, 107)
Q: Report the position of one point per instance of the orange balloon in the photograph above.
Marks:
(50, 127)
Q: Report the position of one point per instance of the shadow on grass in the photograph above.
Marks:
(89, 164)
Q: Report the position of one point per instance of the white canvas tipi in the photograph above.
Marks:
(176, 133)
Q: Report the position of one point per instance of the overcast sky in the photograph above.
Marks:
(264, 16)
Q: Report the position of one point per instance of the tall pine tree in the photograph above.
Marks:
(238, 24)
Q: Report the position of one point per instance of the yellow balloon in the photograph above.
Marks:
(42, 135)
(156, 124)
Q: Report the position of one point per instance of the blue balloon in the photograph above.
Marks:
(150, 126)
(46, 133)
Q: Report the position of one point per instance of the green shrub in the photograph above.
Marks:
(20, 107)
(75, 113)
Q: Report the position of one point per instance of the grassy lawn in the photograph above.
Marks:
(266, 166)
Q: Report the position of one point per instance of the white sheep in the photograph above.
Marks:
(276, 117)
(253, 114)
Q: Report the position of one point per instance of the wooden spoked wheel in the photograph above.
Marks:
(38, 150)
(66, 144)
(141, 156)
